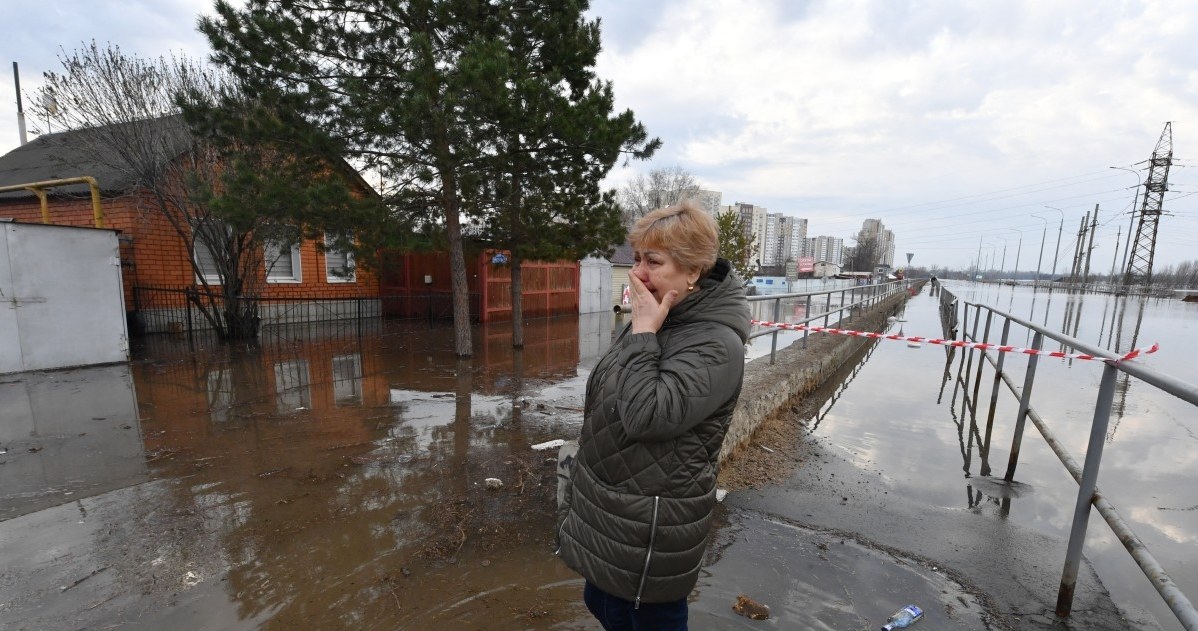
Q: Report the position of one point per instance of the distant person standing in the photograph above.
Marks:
(637, 509)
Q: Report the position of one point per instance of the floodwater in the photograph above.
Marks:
(331, 477)
(320, 479)
(904, 414)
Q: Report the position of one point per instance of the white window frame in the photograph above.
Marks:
(297, 271)
(329, 276)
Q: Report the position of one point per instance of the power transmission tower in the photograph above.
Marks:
(1139, 265)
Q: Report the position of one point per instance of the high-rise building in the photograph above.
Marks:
(875, 232)
(708, 200)
(794, 238)
(753, 223)
(827, 249)
(771, 245)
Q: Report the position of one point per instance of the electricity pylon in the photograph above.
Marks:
(1139, 264)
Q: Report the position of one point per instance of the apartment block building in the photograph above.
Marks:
(709, 201)
(827, 249)
(873, 230)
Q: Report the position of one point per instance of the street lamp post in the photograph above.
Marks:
(1057, 255)
(1043, 237)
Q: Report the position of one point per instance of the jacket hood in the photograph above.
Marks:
(720, 297)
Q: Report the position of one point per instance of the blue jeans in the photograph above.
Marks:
(617, 614)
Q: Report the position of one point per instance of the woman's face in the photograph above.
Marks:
(660, 272)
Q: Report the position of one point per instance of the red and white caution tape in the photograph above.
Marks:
(955, 343)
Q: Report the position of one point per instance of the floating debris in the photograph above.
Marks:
(750, 608)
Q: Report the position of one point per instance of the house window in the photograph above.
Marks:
(282, 263)
(206, 264)
(203, 233)
(338, 265)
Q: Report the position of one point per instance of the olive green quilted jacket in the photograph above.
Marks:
(642, 488)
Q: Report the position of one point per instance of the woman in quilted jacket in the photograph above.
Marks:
(638, 508)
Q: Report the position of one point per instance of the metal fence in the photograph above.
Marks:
(832, 306)
(1087, 475)
(178, 311)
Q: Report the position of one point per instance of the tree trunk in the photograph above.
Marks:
(517, 304)
(463, 344)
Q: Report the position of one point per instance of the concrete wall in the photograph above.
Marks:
(770, 390)
(61, 302)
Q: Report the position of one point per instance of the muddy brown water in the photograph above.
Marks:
(316, 480)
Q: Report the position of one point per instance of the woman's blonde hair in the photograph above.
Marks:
(684, 230)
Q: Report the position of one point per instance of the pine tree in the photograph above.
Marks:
(556, 139)
(415, 90)
(735, 244)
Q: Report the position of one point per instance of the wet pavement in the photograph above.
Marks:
(326, 479)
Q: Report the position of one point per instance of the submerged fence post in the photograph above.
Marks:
(977, 384)
(1085, 491)
(1002, 357)
(1024, 401)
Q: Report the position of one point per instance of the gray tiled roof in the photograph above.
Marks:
(90, 151)
(622, 255)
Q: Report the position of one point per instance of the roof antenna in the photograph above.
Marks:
(16, 76)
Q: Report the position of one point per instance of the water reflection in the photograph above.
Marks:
(67, 435)
(1145, 471)
(315, 480)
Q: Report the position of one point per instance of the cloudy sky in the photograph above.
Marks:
(952, 122)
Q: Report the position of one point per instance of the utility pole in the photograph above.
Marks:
(1043, 238)
(1090, 248)
(1057, 253)
(977, 266)
(1018, 252)
(1075, 270)
(1139, 265)
(16, 77)
(1115, 261)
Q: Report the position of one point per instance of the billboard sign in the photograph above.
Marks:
(806, 264)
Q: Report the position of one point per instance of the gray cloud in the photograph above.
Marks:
(950, 121)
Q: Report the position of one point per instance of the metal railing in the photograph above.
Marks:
(1087, 475)
(838, 305)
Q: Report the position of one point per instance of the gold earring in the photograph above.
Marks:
(690, 286)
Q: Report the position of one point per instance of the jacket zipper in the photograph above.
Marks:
(648, 553)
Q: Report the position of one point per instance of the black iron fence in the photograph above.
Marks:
(180, 312)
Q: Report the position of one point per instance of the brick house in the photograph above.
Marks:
(153, 254)
(305, 284)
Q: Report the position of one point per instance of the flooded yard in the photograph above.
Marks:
(319, 479)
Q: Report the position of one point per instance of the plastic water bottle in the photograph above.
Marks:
(903, 618)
